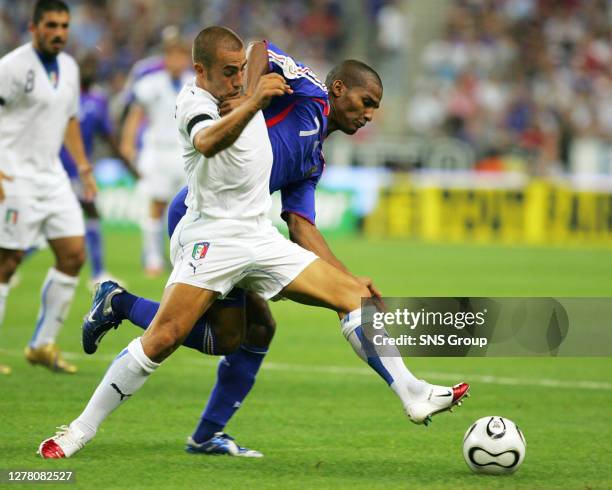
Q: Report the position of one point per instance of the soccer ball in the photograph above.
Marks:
(494, 445)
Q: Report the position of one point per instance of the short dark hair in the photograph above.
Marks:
(43, 6)
(352, 73)
(207, 42)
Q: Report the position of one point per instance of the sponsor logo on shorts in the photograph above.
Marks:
(199, 250)
(11, 216)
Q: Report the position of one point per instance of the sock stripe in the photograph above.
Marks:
(374, 361)
(254, 349)
(43, 312)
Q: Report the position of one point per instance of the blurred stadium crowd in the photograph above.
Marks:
(518, 81)
(518, 76)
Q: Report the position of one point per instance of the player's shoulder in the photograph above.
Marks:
(18, 57)
(67, 59)
(146, 66)
(192, 97)
(294, 71)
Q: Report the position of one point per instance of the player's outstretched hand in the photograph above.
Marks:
(90, 189)
(270, 85)
(3, 176)
(228, 105)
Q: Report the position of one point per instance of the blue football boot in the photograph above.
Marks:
(220, 444)
(101, 317)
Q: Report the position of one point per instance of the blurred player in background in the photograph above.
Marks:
(159, 159)
(39, 104)
(95, 121)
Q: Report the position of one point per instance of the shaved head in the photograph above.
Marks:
(212, 39)
(353, 73)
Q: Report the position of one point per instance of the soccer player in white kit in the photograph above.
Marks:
(159, 161)
(225, 239)
(39, 102)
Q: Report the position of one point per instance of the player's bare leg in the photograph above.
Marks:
(153, 233)
(180, 307)
(321, 284)
(57, 294)
(9, 262)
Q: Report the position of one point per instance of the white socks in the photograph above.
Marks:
(153, 243)
(391, 368)
(127, 373)
(4, 291)
(57, 293)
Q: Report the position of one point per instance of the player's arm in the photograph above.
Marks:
(116, 152)
(308, 236)
(8, 92)
(74, 144)
(222, 134)
(129, 133)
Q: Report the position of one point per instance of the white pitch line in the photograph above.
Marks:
(363, 371)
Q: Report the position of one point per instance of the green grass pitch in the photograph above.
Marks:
(321, 418)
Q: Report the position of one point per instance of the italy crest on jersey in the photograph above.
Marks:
(199, 250)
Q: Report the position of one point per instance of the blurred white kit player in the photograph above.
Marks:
(159, 160)
(39, 103)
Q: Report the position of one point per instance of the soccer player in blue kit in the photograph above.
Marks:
(297, 125)
(94, 119)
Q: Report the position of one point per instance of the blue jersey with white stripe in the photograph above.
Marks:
(297, 124)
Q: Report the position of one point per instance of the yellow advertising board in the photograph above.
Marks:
(536, 211)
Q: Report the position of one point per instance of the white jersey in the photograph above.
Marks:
(233, 184)
(156, 93)
(33, 119)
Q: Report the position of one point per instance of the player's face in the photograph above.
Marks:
(50, 34)
(177, 61)
(354, 107)
(225, 77)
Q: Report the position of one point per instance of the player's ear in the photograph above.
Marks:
(338, 88)
(198, 68)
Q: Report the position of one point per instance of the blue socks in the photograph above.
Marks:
(93, 238)
(140, 312)
(235, 379)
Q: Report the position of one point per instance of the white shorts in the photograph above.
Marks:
(25, 218)
(162, 174)
(221, 254)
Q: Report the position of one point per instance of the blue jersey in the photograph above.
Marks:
(94, 120)
(297, 124)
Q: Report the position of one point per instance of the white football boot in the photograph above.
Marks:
(436, 399)
(67, 441)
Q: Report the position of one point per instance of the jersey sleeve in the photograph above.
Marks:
(9, 86)
(299, 198)
(195, 113)
(143, 92)
(300, 78)
(76, 96)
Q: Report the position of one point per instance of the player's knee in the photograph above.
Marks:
(227, 343)
(71, 262)
(163, 341)
(9, 261)
(261, 325)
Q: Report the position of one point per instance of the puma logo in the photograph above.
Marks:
(122, 395)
